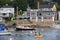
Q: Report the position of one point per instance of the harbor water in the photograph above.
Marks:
(48, 34)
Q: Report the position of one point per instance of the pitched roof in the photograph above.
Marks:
(46, 6)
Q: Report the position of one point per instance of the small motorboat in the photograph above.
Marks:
(38, 35)
(3, 30)
(24, 28)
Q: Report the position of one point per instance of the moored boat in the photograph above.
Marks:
(56, 26)
(3, 30)
(24, 28)
(21, 27)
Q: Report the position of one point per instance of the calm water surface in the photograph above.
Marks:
(48, 34)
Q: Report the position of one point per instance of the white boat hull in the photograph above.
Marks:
(24, 28)
(5, 33)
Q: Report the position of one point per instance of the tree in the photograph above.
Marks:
(33, 3)
(20, 12)
(22, 4)
(58, 1)
(58, 8)
(5, 1)
(40, 1)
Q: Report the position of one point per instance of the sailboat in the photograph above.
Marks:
(19, 27)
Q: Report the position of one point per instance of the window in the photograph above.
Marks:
(47, 17)
(4, 13)
(33, 17)
(44, 9)
(47, 9)
(33, 13)
(48, 13)
(39, 17)
(39, 14)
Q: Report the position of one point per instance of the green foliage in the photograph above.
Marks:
(58, 8)
(32, 3)
(2, 2)
(20, 12)
(41, 1)
(58, 1)
(22, 4)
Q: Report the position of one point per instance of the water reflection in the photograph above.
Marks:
(48, 34)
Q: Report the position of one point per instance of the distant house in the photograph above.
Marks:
(46, 12)
(48, 7)
(6, 11)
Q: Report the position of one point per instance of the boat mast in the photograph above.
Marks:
(17, 16)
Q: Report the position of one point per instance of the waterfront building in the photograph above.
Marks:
(6, 11)
(45, 12)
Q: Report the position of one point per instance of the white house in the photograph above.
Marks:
(6, 11)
